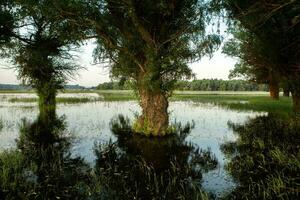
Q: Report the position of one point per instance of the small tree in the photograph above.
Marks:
(41, 50)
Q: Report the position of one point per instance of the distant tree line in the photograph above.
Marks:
(202, 85)
(25, 87)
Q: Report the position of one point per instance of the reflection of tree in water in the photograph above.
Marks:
(137, 167)
(265, 158)
(133, 167)
(42, 167)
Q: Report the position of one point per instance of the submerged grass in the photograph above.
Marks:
(1, 124)
(117, 95)
(69, 100)
(242, 102)
(10, 170)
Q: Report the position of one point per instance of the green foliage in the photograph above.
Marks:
(256, 61)
(267, 37)
(150, 42)
(67, 100)
(122, 124)
(7, 24)
(220, 85)
(41, 47)
(115, 85)
(198, 85)
(10, 171)
(241, 102)
(265, 158)
(1, 124)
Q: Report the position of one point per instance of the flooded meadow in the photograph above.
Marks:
(93, 140)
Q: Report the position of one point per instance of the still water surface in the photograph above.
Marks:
(89, 124)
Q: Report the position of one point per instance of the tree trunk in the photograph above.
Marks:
(286, 92)
(274, 90)
(154, 119)
(296, 101)
(47, 101)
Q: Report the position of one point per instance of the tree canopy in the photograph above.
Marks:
(150, 42)
(40, 45)
(269, 36)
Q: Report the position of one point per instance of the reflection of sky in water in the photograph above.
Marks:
(89, 123)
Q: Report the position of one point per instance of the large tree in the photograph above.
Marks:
(274, 23)
(151, 43)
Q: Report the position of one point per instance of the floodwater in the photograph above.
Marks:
(88, 123)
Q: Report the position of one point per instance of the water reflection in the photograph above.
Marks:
(42, 167)
(265, 158)
(137, 167)
(133, 167)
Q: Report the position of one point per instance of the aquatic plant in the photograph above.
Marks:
(121, 124)
(265, 158)
(1, 124)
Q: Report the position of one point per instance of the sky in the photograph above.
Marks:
(216, 67)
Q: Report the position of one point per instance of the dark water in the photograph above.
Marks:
(75, 154)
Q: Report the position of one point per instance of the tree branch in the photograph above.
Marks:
(141, 29)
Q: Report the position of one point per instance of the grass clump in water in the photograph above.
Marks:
(11, 168)
(1, 124)
(265, 158)
(283, 106)
(121, 124)
(117, 95)
(67, 100)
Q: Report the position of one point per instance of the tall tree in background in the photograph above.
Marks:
(256, 62)
(275, 23)
(41, 50)
(150, 42)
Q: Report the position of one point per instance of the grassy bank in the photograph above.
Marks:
(117, 95)
(256, 101)
(241, 102)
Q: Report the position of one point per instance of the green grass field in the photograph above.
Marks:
(256, 101)
(241, 102)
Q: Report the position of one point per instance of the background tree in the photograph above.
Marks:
(151, 43)
(42, 50)
(256, 62)
(276, 24)
(196, 85)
